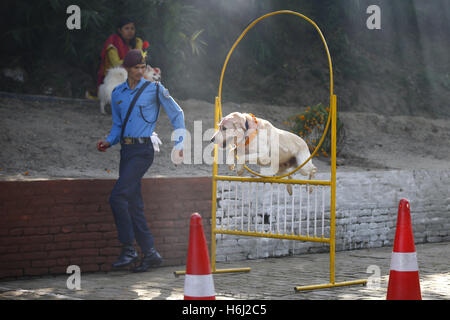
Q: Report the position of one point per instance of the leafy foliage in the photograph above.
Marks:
(279, 60)
(310, 125)
(36, 30)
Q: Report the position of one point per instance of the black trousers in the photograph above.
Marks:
(126, 197)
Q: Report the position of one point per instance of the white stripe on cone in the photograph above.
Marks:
(404, 261)
(199, 285)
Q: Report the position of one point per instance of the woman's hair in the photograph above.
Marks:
(123, 21)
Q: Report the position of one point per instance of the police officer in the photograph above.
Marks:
(136, 156)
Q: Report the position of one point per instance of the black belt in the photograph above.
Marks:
(130, 140)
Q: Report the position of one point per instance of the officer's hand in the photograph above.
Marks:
(181, 153)
(103, 145)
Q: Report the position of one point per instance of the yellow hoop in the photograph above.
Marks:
(332, 119)
(251, 25)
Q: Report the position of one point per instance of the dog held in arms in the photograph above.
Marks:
(256, 140)
(118, 75)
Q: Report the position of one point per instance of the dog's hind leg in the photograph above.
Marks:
(289, 187)
(312, 172)
(308, 169)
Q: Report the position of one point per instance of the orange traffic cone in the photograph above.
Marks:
(198, 284)
(404, 272)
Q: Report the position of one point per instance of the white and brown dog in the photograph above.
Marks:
(118, 75)
(257, 141)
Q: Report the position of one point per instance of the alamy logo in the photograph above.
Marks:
(373, 281)
(74, 281)
(74, 20)
(374, 20)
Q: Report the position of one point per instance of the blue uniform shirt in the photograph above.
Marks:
(142, 120)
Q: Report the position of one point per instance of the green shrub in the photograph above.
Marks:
(310, 126)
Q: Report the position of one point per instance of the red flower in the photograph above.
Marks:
(145, 45)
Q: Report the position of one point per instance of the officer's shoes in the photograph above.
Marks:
(151, 259)
(127, 257)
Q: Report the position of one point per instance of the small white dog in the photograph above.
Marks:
(255, 139)
(118, 75)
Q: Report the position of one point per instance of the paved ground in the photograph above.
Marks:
(273, 278)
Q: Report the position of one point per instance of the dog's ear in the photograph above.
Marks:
(222, 122)
(240, 121)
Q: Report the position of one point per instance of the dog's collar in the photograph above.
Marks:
(253, 134)
(254, 119)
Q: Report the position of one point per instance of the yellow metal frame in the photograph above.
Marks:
(332, 119)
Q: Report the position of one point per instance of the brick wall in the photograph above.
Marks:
(45, 226)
